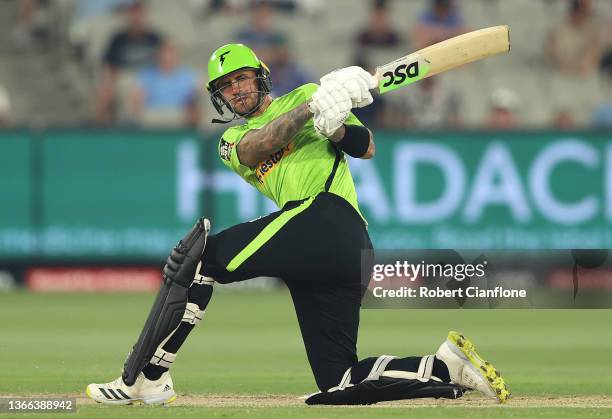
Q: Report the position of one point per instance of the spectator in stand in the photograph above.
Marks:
(6, 118)
(288, 6)
(574, 45)
(166, 92)
(379, 32)
(377, 36)
(32, 24)
(287, 74)
(131, 48)
(602, 114)
(606, 65)
(432, 104)
(377, 114)
(564, 120)
(503, 111)
(260, 34)
(606, 56)
(440, 21)
(308, 7)
(93, 8)
(214, 6)
(84, 15)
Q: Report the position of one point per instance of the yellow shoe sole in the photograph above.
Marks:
(171, 399)
(491, 374)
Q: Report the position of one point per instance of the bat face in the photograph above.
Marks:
(443, 56)
(403, 72)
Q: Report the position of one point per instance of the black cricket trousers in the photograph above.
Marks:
(315, 246)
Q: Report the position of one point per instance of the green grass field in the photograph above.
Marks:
(556, 362)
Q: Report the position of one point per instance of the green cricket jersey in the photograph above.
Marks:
(308, 165)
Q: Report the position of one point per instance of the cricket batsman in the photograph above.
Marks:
(293, 149)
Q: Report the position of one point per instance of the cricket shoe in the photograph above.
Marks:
(469, 370)
(143, 391)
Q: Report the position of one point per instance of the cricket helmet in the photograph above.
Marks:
(230, 58)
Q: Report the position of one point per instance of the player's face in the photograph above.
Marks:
(240, 89)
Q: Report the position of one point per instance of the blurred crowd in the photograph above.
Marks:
(142, 78)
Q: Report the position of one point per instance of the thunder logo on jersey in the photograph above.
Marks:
(266, 166)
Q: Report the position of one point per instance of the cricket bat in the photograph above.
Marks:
(443, 56)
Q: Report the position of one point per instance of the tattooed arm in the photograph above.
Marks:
(258, 144)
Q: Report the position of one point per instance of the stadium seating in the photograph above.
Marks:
(322, 43)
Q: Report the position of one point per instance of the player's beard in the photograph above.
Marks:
(246, 103)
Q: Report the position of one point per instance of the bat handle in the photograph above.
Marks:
(377, 76)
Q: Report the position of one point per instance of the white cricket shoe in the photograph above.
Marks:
(467, 369)
(143, 391)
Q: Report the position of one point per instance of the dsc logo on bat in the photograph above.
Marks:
(401, 73)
